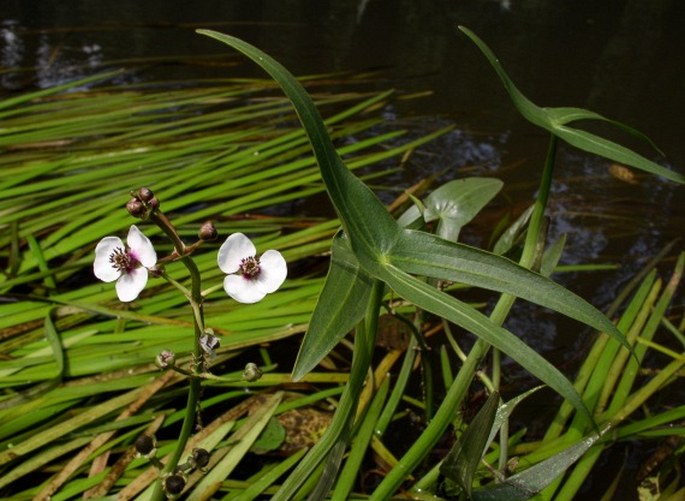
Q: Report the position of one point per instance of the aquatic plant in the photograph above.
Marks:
(92, 386)
(374, 253)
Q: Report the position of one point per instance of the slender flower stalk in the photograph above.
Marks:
(250, 278)
(195, 298)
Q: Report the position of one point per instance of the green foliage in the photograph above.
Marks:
(389, 253)
(464, 458)
(382, 250)
(76, 371)
(556, 120)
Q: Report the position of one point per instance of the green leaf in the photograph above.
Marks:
(508, 238)
(551, 256)
(454, 204)
(555, 120)
(526, 484)
(505, 410)
(340, 306)
(434, 301)
(463, 459)
(425, 254)
(271, 438)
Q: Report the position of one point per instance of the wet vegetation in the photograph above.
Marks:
(377, 370)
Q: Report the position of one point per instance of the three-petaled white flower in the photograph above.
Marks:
(250, 278)
(126, 264)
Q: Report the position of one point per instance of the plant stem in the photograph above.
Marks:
(195, 298)
(532, 252)
(332, 444)
(459, 387)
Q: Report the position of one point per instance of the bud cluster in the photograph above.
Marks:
(143, 203)
(175, 481)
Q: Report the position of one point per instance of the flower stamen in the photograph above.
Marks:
(249, 267)
(122, 260)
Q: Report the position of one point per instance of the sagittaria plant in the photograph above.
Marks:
(250, 277)
(373, 253)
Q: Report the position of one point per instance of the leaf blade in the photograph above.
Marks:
(439, 303)
(341, 304)
(425, 254)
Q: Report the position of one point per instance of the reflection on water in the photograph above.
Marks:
(12, 51)
(50, 64)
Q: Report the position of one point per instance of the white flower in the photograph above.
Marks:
(126, 264)
(250, 278)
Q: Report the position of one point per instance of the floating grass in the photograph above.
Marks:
(69, 159)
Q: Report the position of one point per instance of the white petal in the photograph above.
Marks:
(141, 247)
(102, 268)
(130, 284)
(242, 290)
(272, 271)
(236, 248)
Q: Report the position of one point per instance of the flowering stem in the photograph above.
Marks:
(212, 289)
(176, 284)
(195, 298)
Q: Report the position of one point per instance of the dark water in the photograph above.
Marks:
(622, 58)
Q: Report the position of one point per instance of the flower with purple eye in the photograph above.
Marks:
(250, 277)
(127, 264)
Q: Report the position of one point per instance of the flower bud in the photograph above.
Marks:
(174, 485)
(209, 342)
(252, 372)
(200, 458)
(165, 359)
(145, 194)
(145, 446)
(136, 208)
(153, 204)
(207, 231)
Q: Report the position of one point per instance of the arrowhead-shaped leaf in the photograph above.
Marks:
(454, 204)
(555, 121)
(386, 252)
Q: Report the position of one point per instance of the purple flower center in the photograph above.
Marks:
(123, 260)
(249, 267)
